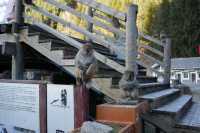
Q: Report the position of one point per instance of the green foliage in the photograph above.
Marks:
(181, 20)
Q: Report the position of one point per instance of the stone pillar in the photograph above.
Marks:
(18, 58)
(166, 42)
(131, 39)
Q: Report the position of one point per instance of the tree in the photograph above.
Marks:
(181, 20)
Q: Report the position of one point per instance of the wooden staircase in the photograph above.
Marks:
(62, 55)
(170, 110)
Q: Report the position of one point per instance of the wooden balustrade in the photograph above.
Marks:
(127, 20)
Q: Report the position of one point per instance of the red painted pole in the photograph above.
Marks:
(81, 105)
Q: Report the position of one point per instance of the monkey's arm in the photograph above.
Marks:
(92, 69)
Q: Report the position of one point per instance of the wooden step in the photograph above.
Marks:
(53, 44)
(176, 107)
(191, 120)
(42, 36)
(159, 98)
(146, 88)
(142, 72)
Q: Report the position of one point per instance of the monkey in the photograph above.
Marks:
(85, 64)
(129, 85)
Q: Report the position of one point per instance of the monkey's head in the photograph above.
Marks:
(88, 48)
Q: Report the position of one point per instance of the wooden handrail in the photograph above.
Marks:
(73, 42)
(100, 39)
(147, 37)
(86, 17)
(151, 58)
(151, 49)
(104, 8)
(95, 38)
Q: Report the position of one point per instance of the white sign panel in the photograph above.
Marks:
(60, 108)
(19, 108)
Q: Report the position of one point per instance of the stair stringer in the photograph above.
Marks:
(58, 60)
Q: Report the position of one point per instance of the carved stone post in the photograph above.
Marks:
(89, 25)
(166, 41)
(131, 39)
(18, 58)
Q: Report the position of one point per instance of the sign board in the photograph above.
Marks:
(20, 110)
(60, 108)
(35, 107)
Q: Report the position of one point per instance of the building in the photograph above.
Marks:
(187, 70)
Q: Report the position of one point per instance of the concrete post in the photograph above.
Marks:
(89, 25)
(131, 39)
(18, 58)
(166, 41)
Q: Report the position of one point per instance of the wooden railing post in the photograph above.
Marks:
(131, 39)
(89, 25)
(166, 41)
(18, 58)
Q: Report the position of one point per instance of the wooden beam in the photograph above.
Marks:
(104, 8)
(151, 58)
(147, 37)
(103, 17)
(151, 49)
(89, 24)
(8, 48)
(18, 58)
(167, 58)
(131, 40)
(87, 17)
(95, 38)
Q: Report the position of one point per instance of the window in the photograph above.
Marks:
(185, 75)
(198, 75)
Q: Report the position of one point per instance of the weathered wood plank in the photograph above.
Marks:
(109, 20)
(103, 17)
(87, 17)
(151, 58)
(95, 38)
(131, 40)
(90, 25)
(109, 62)
(151, 49)
(147, 37)
(104, 8)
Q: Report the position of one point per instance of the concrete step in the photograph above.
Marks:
(141, 79)
(146, 88)
(176, 107)
(191, 120)
(146, 79)
(157, 99)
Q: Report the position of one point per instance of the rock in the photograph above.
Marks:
(94, 127)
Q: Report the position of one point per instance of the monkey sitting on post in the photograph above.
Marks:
(85, 64)
(129, 85)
